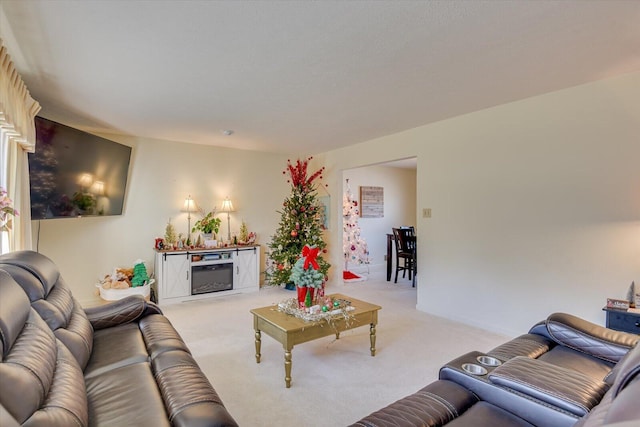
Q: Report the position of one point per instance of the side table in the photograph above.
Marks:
(622, 320)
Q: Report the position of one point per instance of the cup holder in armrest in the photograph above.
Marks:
(488, 361)
(474, 369)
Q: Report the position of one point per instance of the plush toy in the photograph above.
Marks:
(140, 276)
(119, 279)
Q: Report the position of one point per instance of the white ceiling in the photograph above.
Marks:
(305, 76)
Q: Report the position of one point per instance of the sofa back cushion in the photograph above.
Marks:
(583, 336)
(51, 298)
(619, 406)
(42, 383)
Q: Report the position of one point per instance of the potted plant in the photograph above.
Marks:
(85, 202)
(208, 225)
(307, 276)
(6, 209)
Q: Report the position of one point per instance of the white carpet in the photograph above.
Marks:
(334, 382)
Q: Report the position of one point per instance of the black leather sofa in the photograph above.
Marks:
(120, 364)
(564, 372)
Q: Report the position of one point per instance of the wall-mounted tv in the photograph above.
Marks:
(75, 174)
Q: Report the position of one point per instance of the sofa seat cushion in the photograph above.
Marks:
(591, 366)
(159, 335)
(563, 388)
(483, 414)
(125, 396)
(116, 347)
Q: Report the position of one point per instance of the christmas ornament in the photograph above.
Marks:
(294, 233)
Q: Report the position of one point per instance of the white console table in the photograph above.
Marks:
(174, 271)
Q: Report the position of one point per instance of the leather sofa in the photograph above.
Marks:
(564, 372)
(119, 364)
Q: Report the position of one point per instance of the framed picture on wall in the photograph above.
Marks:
(371, 202)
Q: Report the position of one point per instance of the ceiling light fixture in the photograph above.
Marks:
(227, 132)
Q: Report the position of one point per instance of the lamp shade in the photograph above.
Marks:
(85, 180)
(189, 205)
(227, 206)
(97, 188)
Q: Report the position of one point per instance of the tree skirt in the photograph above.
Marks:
(348, 276)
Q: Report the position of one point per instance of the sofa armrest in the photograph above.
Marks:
(553, 385)
(586, 337)
(125, 310)
(436, 404)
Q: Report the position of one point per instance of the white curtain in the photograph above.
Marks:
(17, 138)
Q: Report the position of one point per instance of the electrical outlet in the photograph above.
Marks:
(426, 212)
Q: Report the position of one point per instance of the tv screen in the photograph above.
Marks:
(73, 173)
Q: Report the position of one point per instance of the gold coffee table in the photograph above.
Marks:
(290, 330)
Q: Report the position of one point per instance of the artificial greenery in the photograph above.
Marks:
(170, 233)
(300, 225)
(306, 277)
(208, 224)
(244, 233)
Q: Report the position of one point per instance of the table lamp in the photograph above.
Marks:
(227, 207)
(189, 206)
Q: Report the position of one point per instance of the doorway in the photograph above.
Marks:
(398, 180)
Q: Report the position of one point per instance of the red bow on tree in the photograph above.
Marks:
(310, 255)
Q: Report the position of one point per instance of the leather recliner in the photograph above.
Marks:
(118, 364)
(564, 372)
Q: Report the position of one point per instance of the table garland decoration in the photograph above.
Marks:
(331, 310)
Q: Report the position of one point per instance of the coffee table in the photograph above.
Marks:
(290, 330)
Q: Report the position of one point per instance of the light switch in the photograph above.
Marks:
(426, 212)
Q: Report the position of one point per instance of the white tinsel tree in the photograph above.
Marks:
(353, 246)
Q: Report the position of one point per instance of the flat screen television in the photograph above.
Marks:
(74, 174)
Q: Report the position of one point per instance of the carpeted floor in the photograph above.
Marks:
(335, 382)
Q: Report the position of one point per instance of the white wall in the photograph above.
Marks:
(536, 205)
(399, 204)
(162, 175)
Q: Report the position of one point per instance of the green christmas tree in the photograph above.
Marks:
(140, 276)
(300, 225)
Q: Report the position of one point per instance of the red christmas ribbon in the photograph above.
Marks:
(310, 255)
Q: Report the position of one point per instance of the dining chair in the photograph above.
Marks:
(405, 241)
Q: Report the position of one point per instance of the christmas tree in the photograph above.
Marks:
(300, 225)
(353, 246)
(170, 234)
